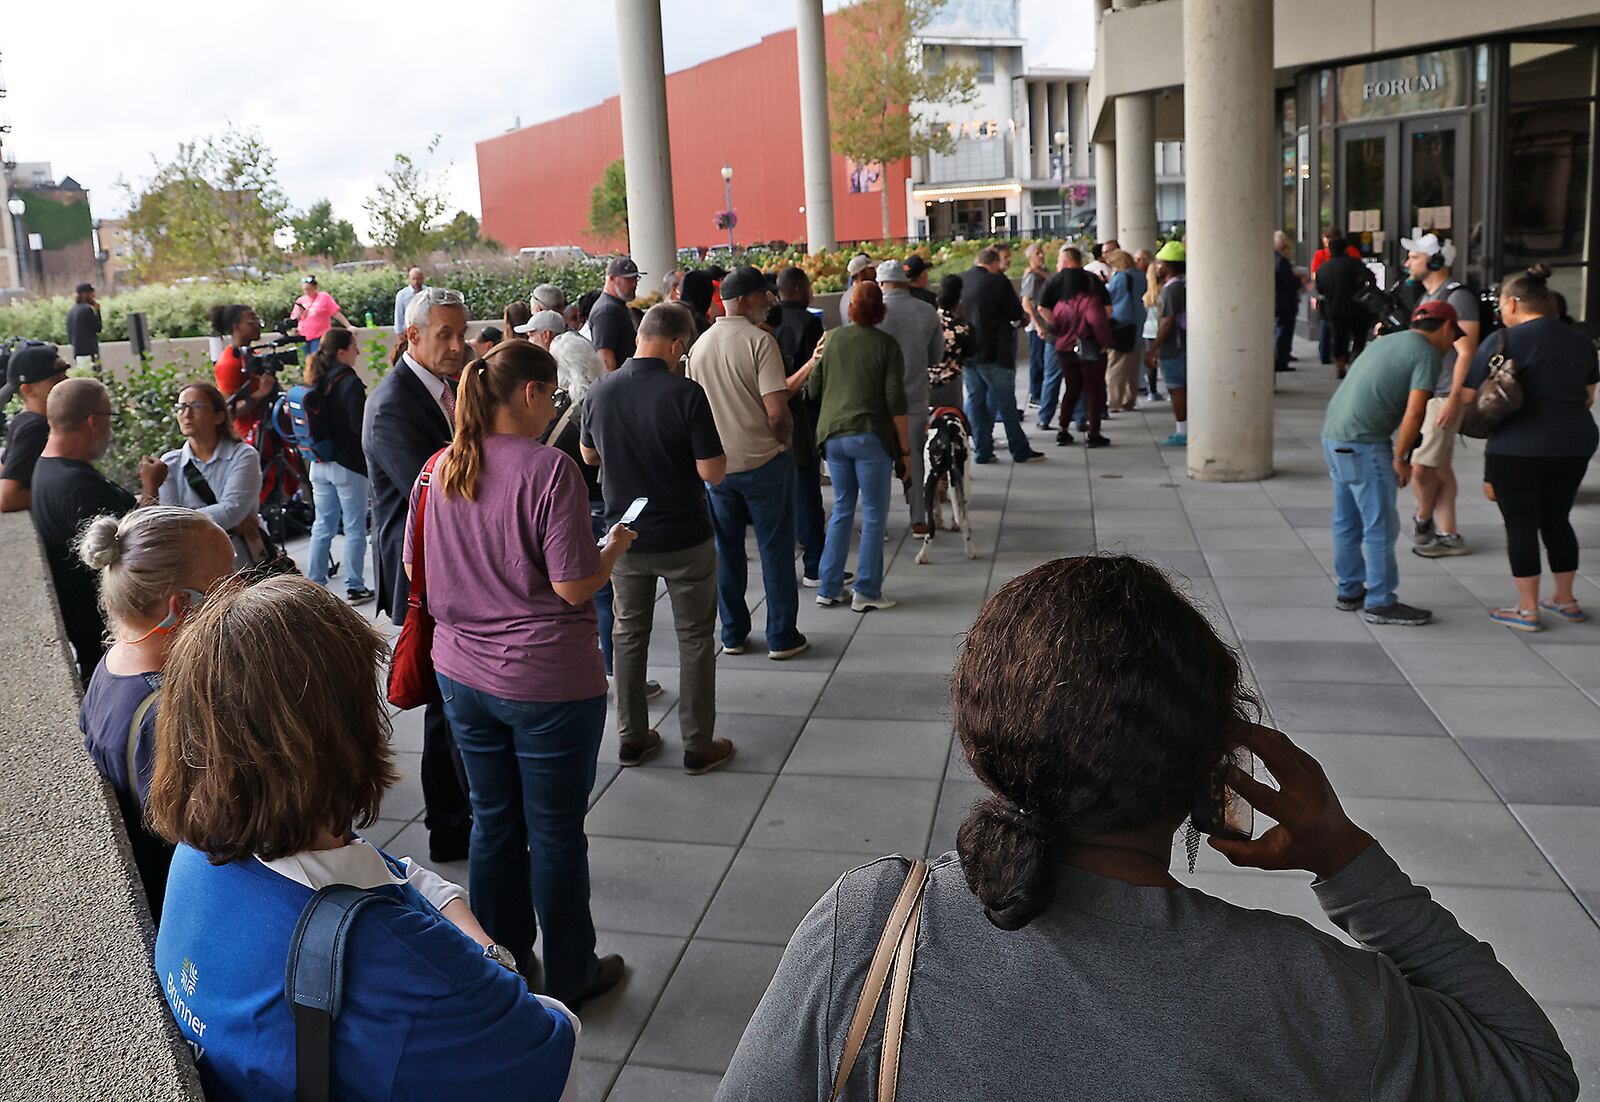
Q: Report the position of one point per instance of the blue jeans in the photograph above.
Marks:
(858, 464)
(762, 498)
(338, 492)
(1050, 392)
(992, 389)
(1366, 521)
(1036, 346)
(312, 346)
(810, 518)
(602, 598)
(531, 767)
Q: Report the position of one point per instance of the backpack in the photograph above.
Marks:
(302, 419)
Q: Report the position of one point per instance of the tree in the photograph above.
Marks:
(212, 210)
(403, 208)
(318, 233)
(881, 97)
(463, 234)
(608, 205)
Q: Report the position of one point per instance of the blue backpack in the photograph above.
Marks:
(302, 421)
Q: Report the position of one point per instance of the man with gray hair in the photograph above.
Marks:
(403, 298)
(917, 327)
(409, 416)
(656, 435)
(577, 363)
(68, 491)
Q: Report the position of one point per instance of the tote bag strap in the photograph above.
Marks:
(133, 742)
(907, 907)
(419, 572)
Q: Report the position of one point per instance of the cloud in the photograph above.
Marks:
(335, 90)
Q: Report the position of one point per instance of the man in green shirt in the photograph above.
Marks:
(1388, 387)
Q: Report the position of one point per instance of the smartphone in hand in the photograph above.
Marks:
(629, 516)
(1220, 811)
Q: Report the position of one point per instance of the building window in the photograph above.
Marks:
(985, 64)
(1547, 154)
(933, 59)
(1550, 70)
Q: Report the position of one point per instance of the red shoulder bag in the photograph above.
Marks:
(412, 682)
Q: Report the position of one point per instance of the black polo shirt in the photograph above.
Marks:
(66, 494)
(611, 326)
(650, 425)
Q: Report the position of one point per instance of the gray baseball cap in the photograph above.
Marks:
(545, 321)
(547, 296)
(892, 271)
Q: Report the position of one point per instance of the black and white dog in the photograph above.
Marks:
(946, 456)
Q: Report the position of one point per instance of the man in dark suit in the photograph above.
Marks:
(409, 417)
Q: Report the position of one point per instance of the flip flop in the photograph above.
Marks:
(1518, 618)
(1570, 612)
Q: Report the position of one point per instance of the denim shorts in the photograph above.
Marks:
(1175, 372)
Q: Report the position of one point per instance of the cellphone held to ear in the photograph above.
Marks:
(1220, 811)
(631, 515)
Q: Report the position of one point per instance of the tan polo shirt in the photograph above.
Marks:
(736, 362)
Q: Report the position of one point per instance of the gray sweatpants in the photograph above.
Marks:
(691, 577)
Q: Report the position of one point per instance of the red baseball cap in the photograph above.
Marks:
(1437, 311)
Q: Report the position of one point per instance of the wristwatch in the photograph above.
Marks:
(501, 956)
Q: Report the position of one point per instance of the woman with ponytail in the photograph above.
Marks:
(154, 567)
(1058, 955)
(339, 485)
(513, 573)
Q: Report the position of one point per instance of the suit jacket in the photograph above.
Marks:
(402, 427)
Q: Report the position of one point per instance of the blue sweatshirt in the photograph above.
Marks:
(425, 1016)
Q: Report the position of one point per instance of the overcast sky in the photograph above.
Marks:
(337, 88)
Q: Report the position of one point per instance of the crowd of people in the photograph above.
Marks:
(577, 456)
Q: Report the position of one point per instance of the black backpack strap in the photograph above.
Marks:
(197, 482)
(314, 981)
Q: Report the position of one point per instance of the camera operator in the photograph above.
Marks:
(1341, 281)
(244, 381)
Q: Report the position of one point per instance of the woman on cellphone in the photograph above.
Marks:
(1059, 956)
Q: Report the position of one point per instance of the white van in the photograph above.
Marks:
(552, 254)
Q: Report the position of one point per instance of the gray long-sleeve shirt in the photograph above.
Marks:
(916, 326)
(1124, 992)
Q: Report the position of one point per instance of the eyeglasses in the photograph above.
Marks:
(103, 413)
(442, 296)
(191, 407)
(557, 394)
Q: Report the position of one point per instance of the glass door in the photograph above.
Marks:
(1435, 177)
(1369, 195)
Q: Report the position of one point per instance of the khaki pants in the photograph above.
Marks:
(1122, 379)
(691, 577)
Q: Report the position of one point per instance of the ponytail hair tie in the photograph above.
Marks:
(1025, 819)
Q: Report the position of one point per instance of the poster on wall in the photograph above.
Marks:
(865, 177)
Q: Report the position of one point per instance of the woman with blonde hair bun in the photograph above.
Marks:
(154, 566)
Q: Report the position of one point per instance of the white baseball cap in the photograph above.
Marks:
(545, 321)
(1429, 245)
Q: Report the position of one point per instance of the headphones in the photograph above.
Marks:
(1436, 261)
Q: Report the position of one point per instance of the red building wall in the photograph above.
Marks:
(742, 108)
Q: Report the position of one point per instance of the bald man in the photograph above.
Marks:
(403, 298)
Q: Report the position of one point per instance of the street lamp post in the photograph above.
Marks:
(727, 200)
(18, 208)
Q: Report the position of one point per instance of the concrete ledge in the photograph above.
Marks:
(84, 1017)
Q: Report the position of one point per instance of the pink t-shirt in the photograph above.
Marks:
(315, 313)
(501, 628)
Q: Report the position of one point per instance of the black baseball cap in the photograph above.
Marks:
(84, 287)
(622, 266)
(308, 279)
(34, 363)
(743, 280)
(916, 265)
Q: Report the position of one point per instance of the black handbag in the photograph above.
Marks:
(1124, 336)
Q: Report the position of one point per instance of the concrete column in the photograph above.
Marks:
(1105, 189)
(1136, 171)
(1039, 128)
(652, 232)
(1228, 124)
(814, 145)
(1077, 106)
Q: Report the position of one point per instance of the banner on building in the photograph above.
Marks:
(864, 178)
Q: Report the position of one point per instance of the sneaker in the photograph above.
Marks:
(919, 529)
(860, 602)
(1063, 439)
(1176, 440)
(1350, 604)
(737, 648)
(1441, 547)
(1398, 615)
(1422, 531)
(813, 583)
(983, 460)
(607, 975)
(1571, 613)
(1521, 619)
(828, 602)
(1095, 440)
(1033, 403)
(1031, 457)
(629, 756)
(359, 596)
(718, 754)
(447, 846)
(789, 652)
(652, 689)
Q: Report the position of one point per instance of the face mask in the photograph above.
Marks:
(193, 599)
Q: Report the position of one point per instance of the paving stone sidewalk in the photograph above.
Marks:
(1472, 751)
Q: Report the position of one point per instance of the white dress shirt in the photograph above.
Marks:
(434, 384)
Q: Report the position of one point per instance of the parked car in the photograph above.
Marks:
(552, 254)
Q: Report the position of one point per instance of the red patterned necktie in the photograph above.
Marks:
(448, 400)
